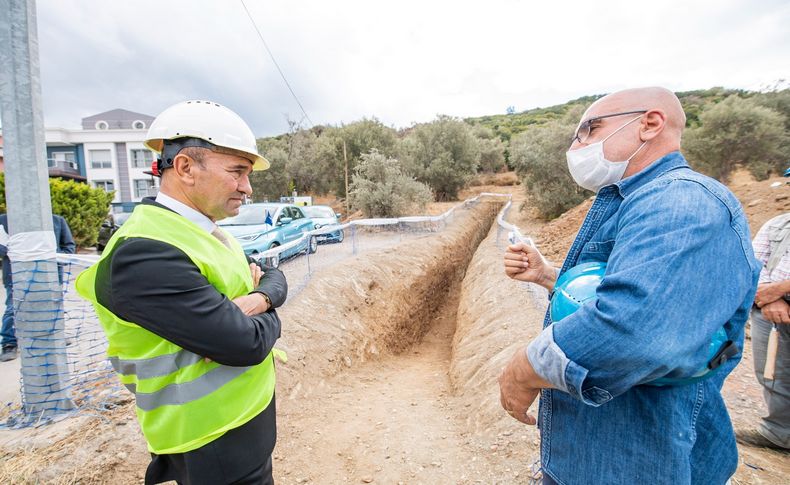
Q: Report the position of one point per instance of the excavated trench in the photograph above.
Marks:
(378, 304)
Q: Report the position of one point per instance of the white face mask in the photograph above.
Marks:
(590, 168)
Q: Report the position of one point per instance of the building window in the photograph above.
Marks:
(142, 186)
(62, 160)
(138, 125)
(142, 158)
(102, 125)
(107, 185)
(100, 158)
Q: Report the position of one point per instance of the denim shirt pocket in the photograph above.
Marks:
(595, 396)
(596, 251)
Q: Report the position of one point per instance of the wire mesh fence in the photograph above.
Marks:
(63, 365)
(62, 348)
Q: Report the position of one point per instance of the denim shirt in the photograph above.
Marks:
(679, 266)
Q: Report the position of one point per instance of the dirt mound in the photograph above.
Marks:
(555, 238)
(497, 316)
(761, 200)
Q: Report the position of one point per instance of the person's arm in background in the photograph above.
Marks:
(4, 242)
(66, 242)
(770, 295)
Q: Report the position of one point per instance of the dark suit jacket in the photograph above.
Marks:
(156, 286)
(62, 235)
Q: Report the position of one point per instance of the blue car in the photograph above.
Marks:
(323, 215)
(260, 227)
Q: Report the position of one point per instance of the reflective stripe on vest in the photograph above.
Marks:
(176, 394)
(156, 366)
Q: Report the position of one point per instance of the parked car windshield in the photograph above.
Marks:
(317, 211)
(250, 214)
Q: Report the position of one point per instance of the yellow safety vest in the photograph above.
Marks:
(183, 402)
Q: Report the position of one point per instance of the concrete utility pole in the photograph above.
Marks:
(37, 293)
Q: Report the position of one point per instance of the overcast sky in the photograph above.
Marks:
(402, 62)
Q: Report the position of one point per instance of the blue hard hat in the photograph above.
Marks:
(575, 288)
(787, 172)
(718, 343)
(578, 286)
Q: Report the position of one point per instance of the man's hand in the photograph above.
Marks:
(524, 263)
(519, 386)
(257, 274)
(770, 292)
(777, 312)
(252, 304)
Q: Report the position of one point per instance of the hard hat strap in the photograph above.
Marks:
(172, 147)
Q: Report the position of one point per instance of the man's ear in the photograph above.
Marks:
(184, 167)
(653, 123)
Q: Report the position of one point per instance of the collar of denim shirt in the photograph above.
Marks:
(670, 161)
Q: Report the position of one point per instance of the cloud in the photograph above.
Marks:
(402, 62)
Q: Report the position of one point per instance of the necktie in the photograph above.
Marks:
(217, 233)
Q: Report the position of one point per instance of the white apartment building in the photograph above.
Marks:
(108, 153)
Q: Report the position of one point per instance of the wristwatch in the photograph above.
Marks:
(268, 300)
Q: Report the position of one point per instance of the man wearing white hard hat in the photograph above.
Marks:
(190, 320)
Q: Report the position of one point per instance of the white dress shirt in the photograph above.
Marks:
(185, 211)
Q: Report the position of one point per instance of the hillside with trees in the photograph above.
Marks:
(725, 129)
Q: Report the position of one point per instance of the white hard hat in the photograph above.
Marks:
(207, 121)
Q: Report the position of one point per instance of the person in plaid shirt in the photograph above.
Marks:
(772, 310)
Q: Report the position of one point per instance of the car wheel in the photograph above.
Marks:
(340, 236)
(274, 261)
(312, 245)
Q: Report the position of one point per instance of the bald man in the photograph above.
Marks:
(679, 268)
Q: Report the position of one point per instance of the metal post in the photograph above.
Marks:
(345, 162)
(37, 293)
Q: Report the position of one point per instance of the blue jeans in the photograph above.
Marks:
(8, 332)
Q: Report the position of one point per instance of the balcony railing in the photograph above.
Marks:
(64, 168)
(62, 165)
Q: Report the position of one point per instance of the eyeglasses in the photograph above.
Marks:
(584, 129)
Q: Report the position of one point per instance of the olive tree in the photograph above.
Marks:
(443, 154)
(734, 132)
(379, 188)
(538, 155)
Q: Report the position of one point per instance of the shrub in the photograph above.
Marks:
(492, 150)
(83, 207)
(379, 188)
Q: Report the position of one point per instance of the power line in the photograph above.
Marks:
(266, 46)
